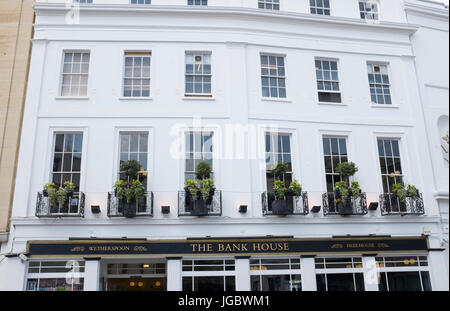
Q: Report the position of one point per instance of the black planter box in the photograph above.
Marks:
(345, 208)
(280, 207)
(199, 208)
(128, 209)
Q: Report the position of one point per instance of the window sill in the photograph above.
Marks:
(71, 97)
(274, 99)
(199, 97)
(332, 104)
(136, 98)
(384, 106)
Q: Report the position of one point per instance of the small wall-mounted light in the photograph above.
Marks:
(165, 209)
(95, 209)
(316, 208)
(373, 206)
(243, 209)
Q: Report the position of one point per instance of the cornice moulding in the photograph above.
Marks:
(441, 13)
(41, 8)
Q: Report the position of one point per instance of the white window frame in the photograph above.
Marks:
(48, 175)
(122, 95)
(216, 154)
(404, 156)
(61, 74)
(211, 75)
(402, 175)
(150, 152)
(276, 134)
(285, 77)
(388, 70)
(222, 273)
(143, 2)
(327, 271)
(58, 275)
(296, 155)
(350, 149)
(339, 81)
(417, 268)
(197, 2)
(320, 8)
(371, 13)
(267, 3)
(201, 132)
(130, 275)
(283, 272)
(346, 138)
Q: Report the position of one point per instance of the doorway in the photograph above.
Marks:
(148, 275)
(136, 284)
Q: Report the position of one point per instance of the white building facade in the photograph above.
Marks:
(242, 85)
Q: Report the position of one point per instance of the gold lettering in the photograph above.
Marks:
(256, 247)
(193, 247)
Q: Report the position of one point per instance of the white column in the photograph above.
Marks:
(174, 275)
(438, 271)
(12, 274)
(309, 282)
(370, 274)
(92, 275)
(243, 274)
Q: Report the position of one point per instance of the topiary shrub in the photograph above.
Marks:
(203, 170)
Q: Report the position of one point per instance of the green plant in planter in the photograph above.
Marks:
(279, 189)
(207, 188)
(137, 190)
(400, 191)
(204, 185)
(356, 189)
(58, 195)
(130, 168)
(343, 190)
(50, 190)
(279, 170)
(191, 186)
(295, 188)
(203, 170)
(346, 169)
(129, 191)
(412, 192)
(61, 196)
(69, 186)
(120, 188)
(49, 186)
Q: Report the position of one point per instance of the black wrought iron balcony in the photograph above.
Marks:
(72, 207)
(335, 206)
(120, 208)
(392, 205)
(189, 207)
(290, 206)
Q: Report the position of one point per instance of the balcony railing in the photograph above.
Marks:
(186, 207)
(391, 205)
(331, 207)
(73, 207)
(292, 206)
(144, 207)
